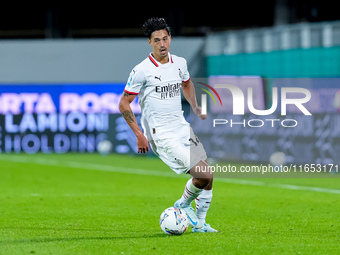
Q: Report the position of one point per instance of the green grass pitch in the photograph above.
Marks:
(89, 204)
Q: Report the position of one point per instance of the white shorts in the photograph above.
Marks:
(182, 151)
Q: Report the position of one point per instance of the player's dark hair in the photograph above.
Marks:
(154, 24)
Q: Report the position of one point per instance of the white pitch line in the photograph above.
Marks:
(106, 168)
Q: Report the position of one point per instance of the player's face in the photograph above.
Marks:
(160, 43)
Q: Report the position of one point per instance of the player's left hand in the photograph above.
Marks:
(198, 111)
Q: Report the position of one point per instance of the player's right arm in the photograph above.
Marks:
(125, 109)
(132, 88)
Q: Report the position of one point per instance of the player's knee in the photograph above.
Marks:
(202, 175)
(201, 183)
(206, 181)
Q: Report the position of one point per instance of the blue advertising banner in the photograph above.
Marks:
(61, 118)
(63, 98)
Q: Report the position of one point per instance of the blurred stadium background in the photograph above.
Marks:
(63, 70)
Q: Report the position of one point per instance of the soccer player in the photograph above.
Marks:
(158, 81)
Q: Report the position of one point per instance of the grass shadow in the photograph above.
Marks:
(70, 239)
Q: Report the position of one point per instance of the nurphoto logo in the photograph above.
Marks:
(238, 105)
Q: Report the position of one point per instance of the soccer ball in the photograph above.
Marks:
(104, 147)
(277, 159)
(173, 221)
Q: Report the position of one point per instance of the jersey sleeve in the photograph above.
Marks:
(184, 72)
(135, 81)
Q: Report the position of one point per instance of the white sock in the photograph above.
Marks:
(203, 202)
(189, 194)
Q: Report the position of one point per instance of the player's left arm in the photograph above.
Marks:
(188, 89)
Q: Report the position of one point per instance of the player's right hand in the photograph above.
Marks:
(142, 144)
